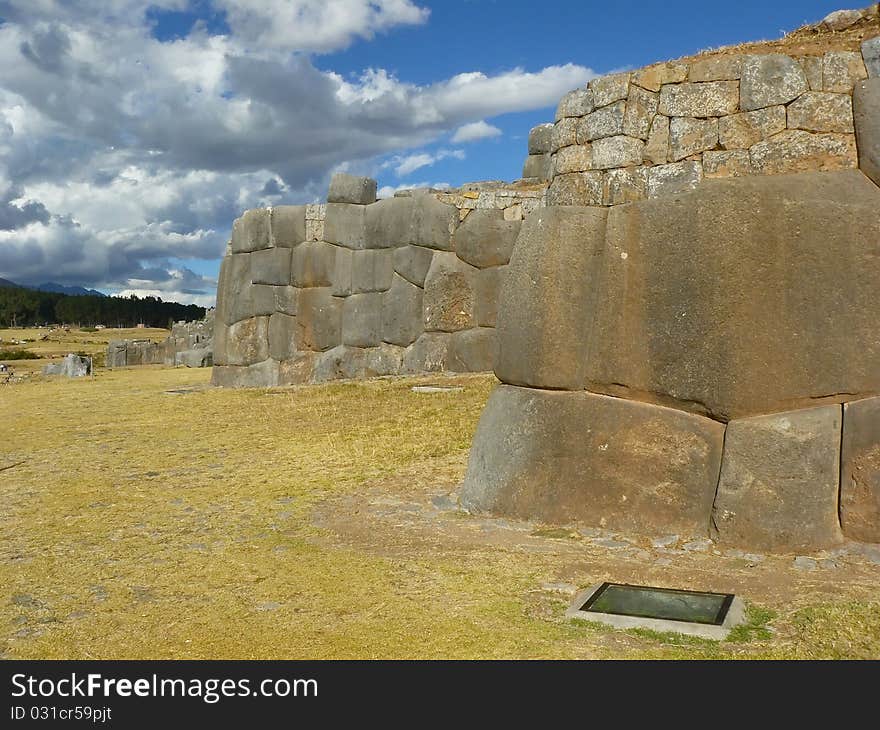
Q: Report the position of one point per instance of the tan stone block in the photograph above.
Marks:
(820, 111)
(841, 70)
(577, 188)
(797, 151)
(653, 77)
(604, 122)
(741, 131)
(676, 177)
(689, 136)
(564, 133)
(718, 68)
(575, 103)
(727, 163)
(618, 151)
(641, 106)
(626, 185)
(576, 158)
(704, 99)
(812, 66)
(608, 89)
(657, 148)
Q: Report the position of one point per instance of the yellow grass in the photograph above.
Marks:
(148, 524)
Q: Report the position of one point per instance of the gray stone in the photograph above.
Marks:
(298, 369)
(346, 188)
(538, 166)
(706, 99)
(345, 225)
(641, 106)
(608, 89)
(318, 320)
(618, 151)
(604, 122)
(654, 77)
(246, 342)
(486, 239)
(802, 562)
(429, 353)
(259, 375)
(72, 366)
(389, 223)
(449, 294)
(313, 264)
(285, 299)
(770, 79)
(674, 178)
(795, 150)
(657, 148)
(433, 223)
(540, 138)
(727, 163)
(234, 289)
(473, 351)
(564, 133)
(819, 111)
(575, 103)
(608, 462)
(371, 362)
(412, 263)
(779, 481)
(362, 320)
(665, 541)
(841, 19)
(288, 225)
(251, 231)
(402, 321)
(860, 470)
(841, 70)
(271, 266)
(282, 336)
(866, 112)
(812, 66)
(689, 136)
(717, 68)
(359, 272)
(741, 131)
(264, 299)
(488, 292)
(871, 56)
(575, 158)
(626, 185)
(197, 358)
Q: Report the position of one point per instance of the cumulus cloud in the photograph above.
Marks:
(120, 153)
(474, 131)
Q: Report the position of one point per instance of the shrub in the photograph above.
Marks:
(18, 355)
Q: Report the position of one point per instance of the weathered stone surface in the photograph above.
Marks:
(841, 19)
(358, 272)
(345, 225)
(575, 158)
(549, 286)
(488, 290)
(577, 188)
(251, 231)
(538, 166)
(514, 212)
(575, 103)
(412, 263)
(770, 79)
(626, 185)
(657, 148)
(860, 470)
(727, 163)
(433, 223)
(866, 112)
(797, 151)
(564, 133)
(346, 188)
(717, 68)
(652, 78)
(271, 266)
(608, 462)
(473, 351)
(818, 111)
(608, 89)
(604, 122)
(288, 224)
(707, 99)
(313, 264)
(449, 294)
(741, 131)
(264, 300)
(689, 136)
(318, 320)
(71, 366)
(618, 151)
(285, 299)
(362, 320)
(674, 178)
(234, 289)
(812, 66)
(841, 70)
(871, 56)
(389, 223)
(486, 239)
(402, 314)
(779, 481)
(728, 300)
(196, 358)
(540, 138)
(297, 370)
(259, 375)
(356, 362)
(429, 353)
(282, 336)
(641, 106)
(247, 342)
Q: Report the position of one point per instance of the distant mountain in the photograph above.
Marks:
(75, 291)
(6, 282)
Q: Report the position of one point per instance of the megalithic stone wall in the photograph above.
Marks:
(688, 333)
(360, 287)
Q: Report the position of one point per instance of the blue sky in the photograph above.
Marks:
(132, 133)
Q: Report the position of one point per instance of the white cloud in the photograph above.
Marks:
(474, 131)
(387, 191)
(405, 165)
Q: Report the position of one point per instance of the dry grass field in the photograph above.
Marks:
(144, 514)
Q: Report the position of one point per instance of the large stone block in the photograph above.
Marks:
(689, 136)
(641, 106)
(540, 138)
(703, 99)
(362, 320)
(604, 122)
(866, 111)
(626, 185)
(622, 465)
(247, 342)
(770, 79)
(285, 299)
(412, 263)
(539, 166)
(313, 264)
(657, 147)
(779, 482)
(608, 89)
(654, 77)
(288, 225)
(271, 266)
(251, 232)
(575, 158)
(428, 354)
(449, 296)
(345, 188)
(620, 151)
(547, 298)
(473, 351)
(741, 131)
(259, 375)
(717, 68)
(860, 470)
(264, 300)
(345, 225)
(298, 369)
(402, 318)
(820, 111)
(486, 239)
(234, 289)
(488, 292)
(564, 133)
(282, 336)
(727, 163)
(575, 103)
(433, 223)
(389, 223)
(674, 178)
(318, 320)
(871, 56)
(841, 70)
(797, 151)
(358, 272)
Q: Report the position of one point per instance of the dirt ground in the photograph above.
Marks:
(144, 514)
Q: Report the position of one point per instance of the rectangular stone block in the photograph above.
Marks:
(604, 122)
(821, 111)
(866, 115)
(449, 294)
(657, 148)
(251, 231)
(779, 482)
(641, 106)
(797, 151)
(841, 70)
(389, 223)
(871, 56)
(575, 103)
(676, 177)
(264, 300)
(288, 225)
(727, 163)
(702, 99)
(741, 131)
(538, 166)
(654, 77)
(577, 188)
(318, 320)
(235, 299)
(626, 185)
(313, 264)
(860, 470)
(488, 290)
(412, 263)
(345, 225)
(473, 350)
(282, 336)
(362, 320)
(691, 136)
(345, 188)
(718, 68)
(564, 133)
(608, 89)
(286, 299)
(271, 266)
(358, 272)
(402, 312)
(247, 341)
(260, 375)
(540, 139)
(620, 151)
(433, 223)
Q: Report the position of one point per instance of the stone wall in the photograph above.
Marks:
(360, 287)
(190, 344)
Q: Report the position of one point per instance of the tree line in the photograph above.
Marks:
(20, 307)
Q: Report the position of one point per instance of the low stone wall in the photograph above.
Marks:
(360, 287)
(190, 344)
(122, 353)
